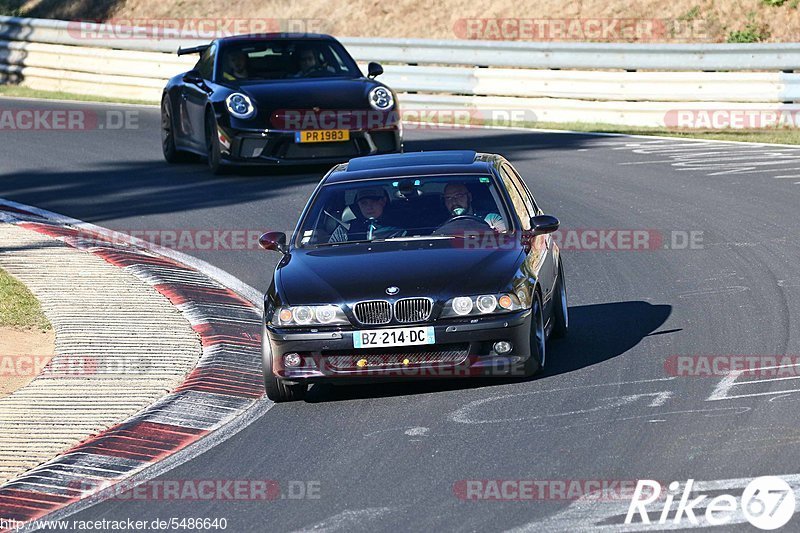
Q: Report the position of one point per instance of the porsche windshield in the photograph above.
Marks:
(285, 59)
(404, 208)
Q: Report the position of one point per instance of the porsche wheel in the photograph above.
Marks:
(171, 153)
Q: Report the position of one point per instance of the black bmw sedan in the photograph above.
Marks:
(416, 265)
(277, 99)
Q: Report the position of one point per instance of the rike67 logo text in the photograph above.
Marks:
(767, 503)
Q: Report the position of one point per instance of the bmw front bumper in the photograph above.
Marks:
(462, 349)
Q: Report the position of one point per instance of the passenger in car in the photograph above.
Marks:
(308, 62)
(371, 202)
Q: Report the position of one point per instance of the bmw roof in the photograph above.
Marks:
(272, 36)
(445, 157)
(409, 163)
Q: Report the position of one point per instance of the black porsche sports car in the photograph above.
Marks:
(434, 264)
(277, 99)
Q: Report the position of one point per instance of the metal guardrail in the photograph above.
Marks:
(647, 80)
(676, 57)
(702, 57)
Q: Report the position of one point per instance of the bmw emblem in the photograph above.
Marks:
(391, 291)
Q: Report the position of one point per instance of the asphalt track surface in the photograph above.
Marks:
(388, 457)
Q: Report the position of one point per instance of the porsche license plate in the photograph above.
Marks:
(321, 136)
(378, 338)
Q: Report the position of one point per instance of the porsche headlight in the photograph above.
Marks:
(484, 304)
(381, 99)
(240, 106)
(309, 315)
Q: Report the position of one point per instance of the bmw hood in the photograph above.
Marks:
(356, 272)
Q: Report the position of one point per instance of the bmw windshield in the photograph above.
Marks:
(403, 208)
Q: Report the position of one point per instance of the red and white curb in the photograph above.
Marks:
(224, 392)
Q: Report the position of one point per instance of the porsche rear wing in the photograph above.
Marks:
(193, 50)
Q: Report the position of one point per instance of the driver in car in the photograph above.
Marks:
(458, 201)
(308, 62)
(372, 203)
(235, 66)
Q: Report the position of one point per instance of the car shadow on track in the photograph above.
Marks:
(598, 332)
(122, 189)
(602, 331)
(512, 144)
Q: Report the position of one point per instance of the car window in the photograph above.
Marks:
(517, 198)
(408, 207)
(530, 202)
(279, 59)
(206, 63)
(338, 61)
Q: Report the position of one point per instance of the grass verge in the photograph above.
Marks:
(766, 135)
(26, 92)
(771, 135)
(18, 307)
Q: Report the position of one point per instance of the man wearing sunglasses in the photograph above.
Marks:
(458, 201)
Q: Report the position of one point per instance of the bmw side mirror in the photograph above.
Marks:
(274, 240)
(544, 224)
(193, 76)
(374, 69)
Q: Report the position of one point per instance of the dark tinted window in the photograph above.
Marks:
(410, 208)
(285, 59)
(206, 64)
(523, 188)
(517, 198)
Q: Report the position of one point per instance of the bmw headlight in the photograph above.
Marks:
(309, 315)
(381, 99)
(483, 304)
(240, 106)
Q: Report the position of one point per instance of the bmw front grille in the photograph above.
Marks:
(406, 311)
(413, 309)
(373, 312)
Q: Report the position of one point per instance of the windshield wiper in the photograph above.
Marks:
(390, 239)
(420, 238)
(358, 241)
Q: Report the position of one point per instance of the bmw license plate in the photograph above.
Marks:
(321, 136)
(378, 338)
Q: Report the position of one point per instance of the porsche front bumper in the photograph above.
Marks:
(249, 147)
